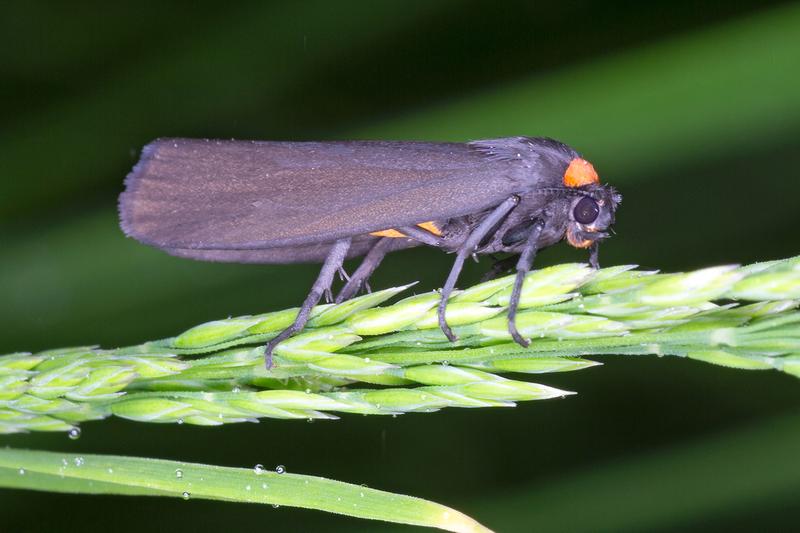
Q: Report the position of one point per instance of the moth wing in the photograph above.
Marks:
(248, 195)
(299, 253)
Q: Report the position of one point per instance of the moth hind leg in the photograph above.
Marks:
(360, 278)
(322, 285)
(368, 265)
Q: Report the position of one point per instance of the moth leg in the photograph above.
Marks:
(594, 252)
(331, 265)
(501, 266)
(365, 269)
(523, 267)
(421, 234)
(328, 295)
(466, 249)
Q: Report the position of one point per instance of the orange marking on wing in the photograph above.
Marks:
(580, 172)
(393, 233)
(430, 226)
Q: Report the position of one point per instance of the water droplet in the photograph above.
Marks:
(258, 469)
(186, 495)
(64, 461)
(367, 359)
(179, 421)
(394, 415)
(362, 494)
(445, 363)
(309, 420)
(264, 486)
(78, 461)
(247, 487)
(280, 469)
(74, 433)
(21, 471)
(275, 505)
(308, 391)
(236, 390)
(179, 473)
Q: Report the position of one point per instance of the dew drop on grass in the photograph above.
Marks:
(186, 495)
(247, 487)
(367, 359)
(179, 421)
(179, 473)
(110, 470)
(308, 391)
(275, 505)
(280, 469)
(264, 486)
(21, 471)
(78, 461)
(258, 469)
(74, 433)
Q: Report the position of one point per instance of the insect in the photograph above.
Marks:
(290, 202)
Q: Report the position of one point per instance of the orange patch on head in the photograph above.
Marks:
(580, 172)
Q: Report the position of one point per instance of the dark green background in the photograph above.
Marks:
(690, 108)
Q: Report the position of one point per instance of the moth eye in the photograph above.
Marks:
(586, 210)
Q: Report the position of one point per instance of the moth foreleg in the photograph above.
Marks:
(594, 252)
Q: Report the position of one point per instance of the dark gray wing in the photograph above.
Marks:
(210, 195)
(299, 253)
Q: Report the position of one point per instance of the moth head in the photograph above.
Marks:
(591, 214)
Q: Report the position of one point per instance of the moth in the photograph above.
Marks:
(292, 202)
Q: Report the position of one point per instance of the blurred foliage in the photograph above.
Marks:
(690, 108)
